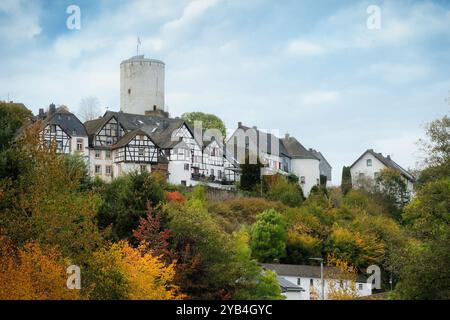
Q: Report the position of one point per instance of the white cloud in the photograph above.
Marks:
(21, 22)
(191, 11)
(302, 47)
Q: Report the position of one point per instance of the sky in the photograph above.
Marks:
(312, 69)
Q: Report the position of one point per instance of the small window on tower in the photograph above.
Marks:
(154, 108)
(129, 91)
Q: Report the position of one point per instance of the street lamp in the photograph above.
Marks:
(322, 295)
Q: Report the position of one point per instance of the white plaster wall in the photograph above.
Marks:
(145, 80)
(305, 284)
(309, 168)
(177, 173)
(73, 146)
(101, 162)
(361, 167)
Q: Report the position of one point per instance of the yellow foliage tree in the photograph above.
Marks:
(142, 275)
(32, 273)
(341, 279)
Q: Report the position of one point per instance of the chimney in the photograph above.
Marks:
(255, 127)
(239, 124)
(41, 113)
(51, 109)
(388, 156)
(286, 135)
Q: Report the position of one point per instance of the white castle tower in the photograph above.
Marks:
(141, 85)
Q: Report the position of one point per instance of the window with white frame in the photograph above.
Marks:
(302, 180)
(79, 144)
(141, 152)
(360, 286)
(369, 162)
(98, 154)
(186, 166)
(98, 169)
(143, 168)
(108, 170)
(107, 154)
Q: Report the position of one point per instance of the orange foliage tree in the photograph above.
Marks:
(32, 272)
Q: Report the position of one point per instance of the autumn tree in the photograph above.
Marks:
(44, 202)
(123, 272)
(33, 272)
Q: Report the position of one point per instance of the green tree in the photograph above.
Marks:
(346, 183)
(391, 188)
(250, 174)
(437, 147)
(282, 190)
(209, 121)
(12, 117)
(125, 202)
(268, 237)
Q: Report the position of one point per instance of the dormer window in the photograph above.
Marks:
(109, 141)
(369, 162)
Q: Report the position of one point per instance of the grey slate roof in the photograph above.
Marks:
(66, 120)
(268, 137)
(320, 156)
(305, 271)
(296, 150)
(388, 162)
(287, 286)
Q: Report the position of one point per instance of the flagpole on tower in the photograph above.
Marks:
(137, 45)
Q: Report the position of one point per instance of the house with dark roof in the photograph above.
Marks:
(308, 279)
(121, 142)
(64, 129)
(324, 166)
(304, 164)
(249, 143)
(278, 155)
(368, 166)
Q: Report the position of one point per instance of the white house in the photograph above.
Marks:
(306, 281)
(251, 142)
(369, 165)
(304, 164)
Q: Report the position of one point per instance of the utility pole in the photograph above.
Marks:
(322, 283)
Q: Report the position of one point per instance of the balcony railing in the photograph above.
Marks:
(211, 179)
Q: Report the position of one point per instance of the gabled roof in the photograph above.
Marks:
(320, 156)
(159, 128)
(130, 136)
(66, 120)
(388, 162)
(269, 138)
(296, 150)
(305, 271)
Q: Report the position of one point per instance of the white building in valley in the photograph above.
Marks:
(303, 282)
(368, 166)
